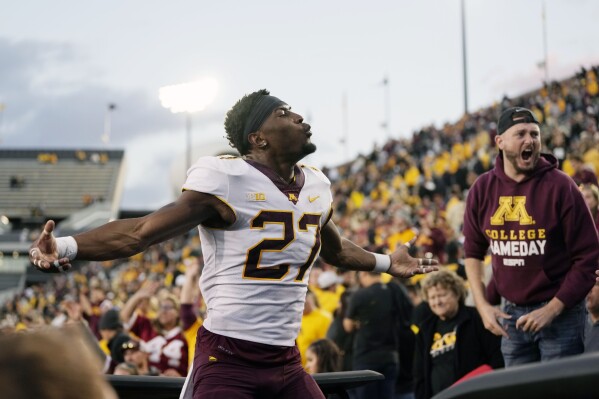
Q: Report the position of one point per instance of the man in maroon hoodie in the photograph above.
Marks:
(543, 243)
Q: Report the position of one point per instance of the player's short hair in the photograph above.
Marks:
(448, 280)
(237, 117)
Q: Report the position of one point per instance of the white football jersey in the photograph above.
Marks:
(256, 271)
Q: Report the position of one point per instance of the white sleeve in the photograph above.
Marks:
(206, 176)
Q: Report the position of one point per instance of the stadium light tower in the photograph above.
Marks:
(387, 123)
(188, 97)
(545, 60)
(2, 107)
(464, 56)
(108, 123)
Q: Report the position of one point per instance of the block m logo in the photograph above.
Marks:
(511, 209)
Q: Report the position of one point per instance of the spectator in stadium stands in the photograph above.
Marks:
(337, 333)
(402, 230)
(135, 355)
(328, 290)
(113, 336)
(50, 364)
(543, 242)
(370, 310)
(591, 340)
(454, 341)
(323, 356)
(431, 238)
(421, 310)
(314, 325)
(125, 369)
(454, 211)
(590, 193)
(414, 291)
(455, 258)
(162, 337)
(93, 306)
(558, 144)
(17, 182)
(190, 321)
(582, 173)
(274, 223)
(404, 385)
(73, 311)
(7, 325)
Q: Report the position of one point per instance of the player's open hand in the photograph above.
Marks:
(43, 253)
(404, 266)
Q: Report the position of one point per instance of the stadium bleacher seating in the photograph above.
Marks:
(56, 183)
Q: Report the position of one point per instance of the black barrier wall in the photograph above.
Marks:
(135, 387)
(570, 378)
(574, 377)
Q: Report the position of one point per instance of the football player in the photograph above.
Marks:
(263, 219)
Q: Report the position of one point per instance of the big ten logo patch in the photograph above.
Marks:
(255, 196)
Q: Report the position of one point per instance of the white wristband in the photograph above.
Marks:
(66, 247)
(382, 263)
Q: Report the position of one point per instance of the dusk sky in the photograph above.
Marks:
(63, 62)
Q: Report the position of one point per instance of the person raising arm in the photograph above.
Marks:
(263, 218)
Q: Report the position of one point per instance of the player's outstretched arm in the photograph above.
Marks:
(343, 253)
(124, 238)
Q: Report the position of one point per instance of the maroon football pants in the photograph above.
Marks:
(229, 368)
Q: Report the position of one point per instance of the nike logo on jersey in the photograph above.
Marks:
(312, 199)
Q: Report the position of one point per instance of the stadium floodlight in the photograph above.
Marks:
(189, 98)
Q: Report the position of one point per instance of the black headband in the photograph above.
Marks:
(258, 114)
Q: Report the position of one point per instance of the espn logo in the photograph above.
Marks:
(255, 196)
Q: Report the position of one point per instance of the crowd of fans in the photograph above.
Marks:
(144, 311)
